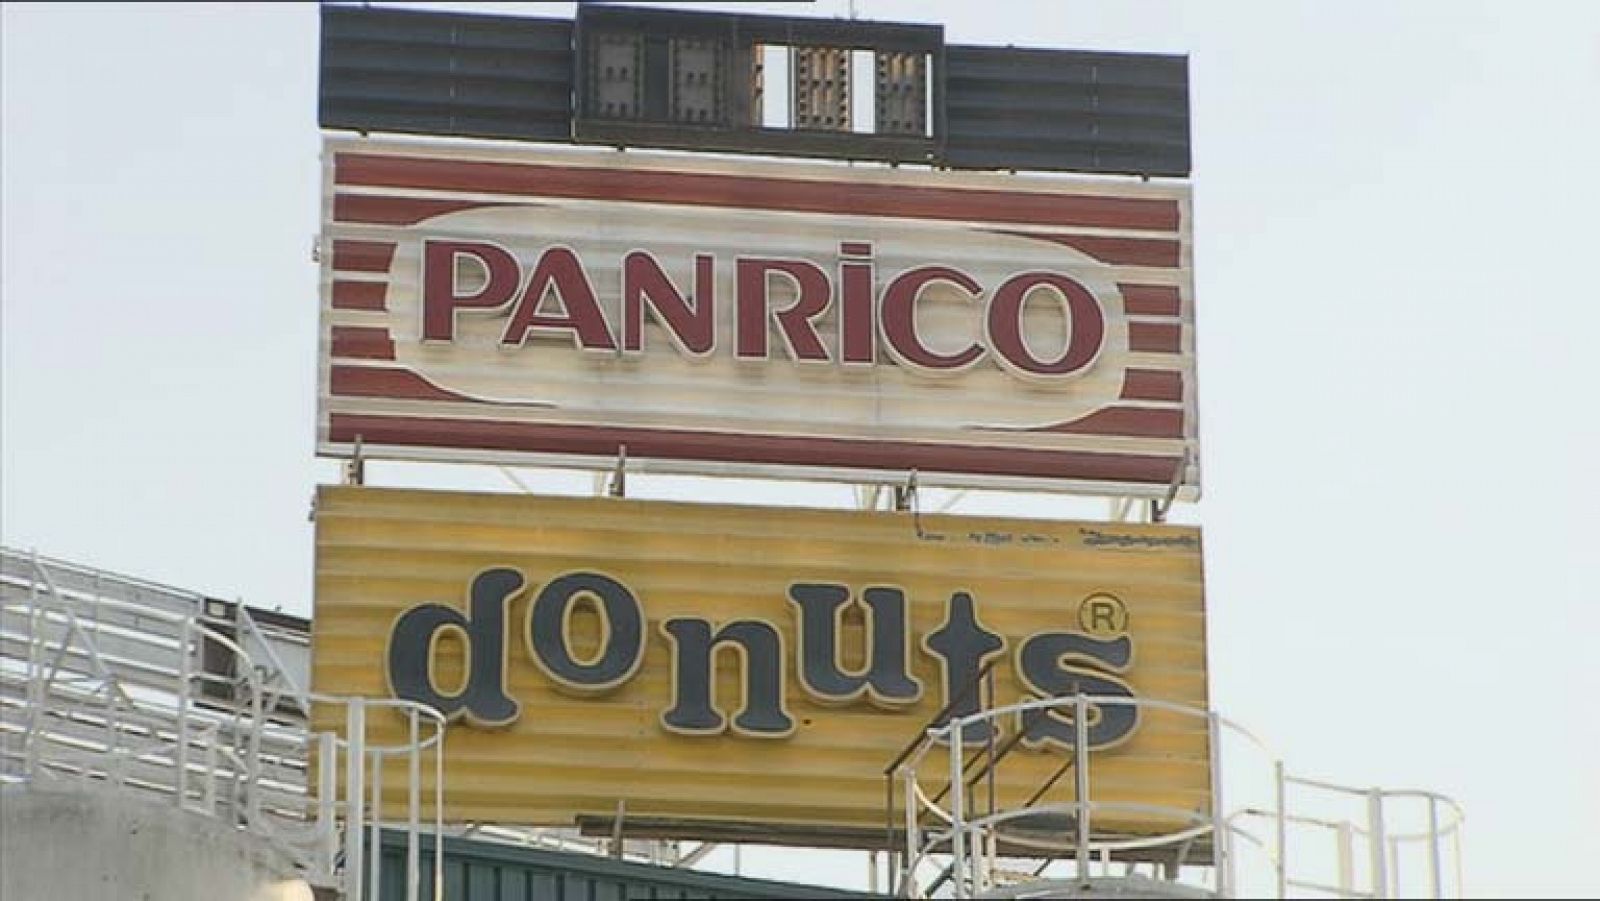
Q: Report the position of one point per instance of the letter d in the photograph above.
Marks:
(483, 699)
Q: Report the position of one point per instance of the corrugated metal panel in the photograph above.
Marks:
(476, 869)
(1066, 110)
(445, 73)
(1119, 422)
(570, 750)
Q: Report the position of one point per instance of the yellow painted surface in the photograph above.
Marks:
(382, 551)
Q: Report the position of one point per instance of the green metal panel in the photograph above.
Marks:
(487, 871)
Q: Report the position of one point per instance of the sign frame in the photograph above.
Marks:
(1138, 436)
(415, 587)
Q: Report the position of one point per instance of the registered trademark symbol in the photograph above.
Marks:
(1103, 615)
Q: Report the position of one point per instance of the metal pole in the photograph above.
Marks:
(209, 792)
(438, 811)
(1455, 845)
(375, 858)
(327, 795)
(36, 690)
(354, 779)
(1282, 839)
(904, 882)
(1219, 812)
(414, 810)
(1435, 880)
(1377, 843)
(1080, 756)
(1347, 863)
(180, 757)
(1394, 867)
(958, 818)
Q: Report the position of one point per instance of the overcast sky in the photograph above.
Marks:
(1397, 218)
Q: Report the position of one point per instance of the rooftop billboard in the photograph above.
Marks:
(706, 663)
(497, 304)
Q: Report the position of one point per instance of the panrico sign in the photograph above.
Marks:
(497, 305)
(690, 318)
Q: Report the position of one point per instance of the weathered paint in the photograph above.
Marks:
(565, 752)
(491, 304)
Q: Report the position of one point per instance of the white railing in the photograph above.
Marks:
(1273, 848)
(129, 684)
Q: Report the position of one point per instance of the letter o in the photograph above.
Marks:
(623, 648)
(1085, 321)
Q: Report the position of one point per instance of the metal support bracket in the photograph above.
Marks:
(355, 468)
(1159, 508)
(905, 496)
(617, 847)
(619, 474)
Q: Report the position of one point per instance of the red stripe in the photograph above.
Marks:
(1127, 422)
(1152, 384)
(362, 256)
(745, 192)
(362, 343)
(365, 381)
(1155, 337)
(604, 441)
(359, 295)
(1116, 251)
(396, 210)
(1151, 300)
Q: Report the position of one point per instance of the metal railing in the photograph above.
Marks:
(125, 683)
(1352, 855)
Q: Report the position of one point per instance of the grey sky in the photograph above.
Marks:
(1396, 215)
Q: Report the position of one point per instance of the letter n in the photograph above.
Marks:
(762, 713)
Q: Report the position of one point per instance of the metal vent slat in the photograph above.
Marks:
(1066, 110)
(444, 73)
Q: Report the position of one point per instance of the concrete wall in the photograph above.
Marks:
(67, 844)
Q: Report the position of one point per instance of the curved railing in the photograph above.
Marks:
(170, 704)
(966, 848)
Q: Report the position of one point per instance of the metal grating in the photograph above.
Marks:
(1066, 110)
(445, 73)
(901, 81)
(821, 88)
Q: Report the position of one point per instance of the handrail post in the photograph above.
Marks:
(1347, 863)
(375, 847)
(1281, 792)
(354, 780)
(414, 809)
(439, 728)
(913, 835)
(958, 818)
(180, 757)
(1080, 763)
(327, 797)
(36, 686)
(1220, 850)
(1377, 843)
(1435, 880)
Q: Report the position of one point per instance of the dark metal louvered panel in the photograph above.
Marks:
(444, 73)
(475, 75)
(1066, 110)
